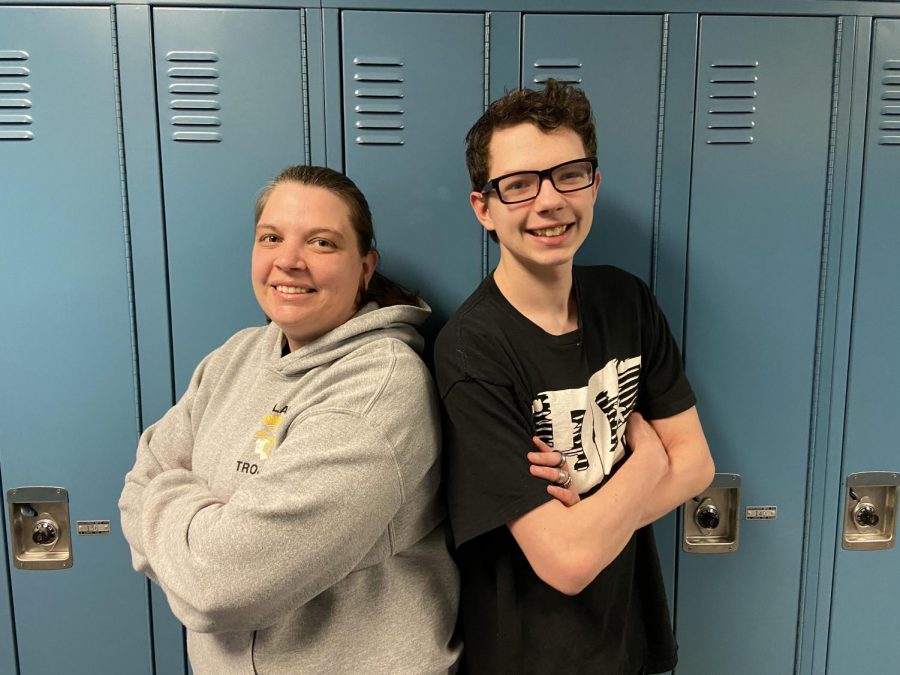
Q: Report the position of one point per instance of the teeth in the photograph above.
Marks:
(550, 231)
(290, 290)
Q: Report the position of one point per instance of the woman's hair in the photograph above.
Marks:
(380, 290)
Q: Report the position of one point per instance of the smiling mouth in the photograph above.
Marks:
(549, 231)
(294, 290)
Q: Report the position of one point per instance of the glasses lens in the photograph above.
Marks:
(518, 187)
(573, 176)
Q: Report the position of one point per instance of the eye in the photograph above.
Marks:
(268, 238)
(322, 243)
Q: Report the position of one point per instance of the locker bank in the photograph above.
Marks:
(750, 154)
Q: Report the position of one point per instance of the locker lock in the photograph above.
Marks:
(866, 515)
(710, 520)
(870, 510)
(45, 532)
(707, 516)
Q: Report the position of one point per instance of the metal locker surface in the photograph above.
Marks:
(866, 585)
(230, 94)
(68, 416)
(761, 150)
(616, 61)
(413, 85)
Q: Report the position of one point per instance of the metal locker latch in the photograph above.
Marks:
(39, 527)
(870, 512)
(711, 518)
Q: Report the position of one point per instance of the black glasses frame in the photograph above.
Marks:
(494, 183)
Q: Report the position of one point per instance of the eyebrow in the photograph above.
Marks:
(312, 233)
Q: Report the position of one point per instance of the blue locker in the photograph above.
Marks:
(616, 61)
(407, 107)
(760, 168)
(68, 416)
(230, 88)
(866, 585)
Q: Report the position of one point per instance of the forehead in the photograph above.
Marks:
(525, 147)
(295, 204)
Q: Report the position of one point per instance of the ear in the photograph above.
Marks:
(479, 203)
(369, 263)
(597, 180)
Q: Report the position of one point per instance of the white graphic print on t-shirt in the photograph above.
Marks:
(587, 424)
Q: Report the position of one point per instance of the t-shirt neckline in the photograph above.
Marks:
(572, 338)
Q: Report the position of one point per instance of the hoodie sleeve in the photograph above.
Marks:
(298, 527)
(165, 446)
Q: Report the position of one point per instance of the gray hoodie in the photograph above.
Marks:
(289, 507)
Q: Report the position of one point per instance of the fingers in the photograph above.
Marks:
(567, 496)
(546, 456)
(551, 474)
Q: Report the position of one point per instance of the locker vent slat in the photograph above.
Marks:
(379, 107)
(202, 57)
(569, 67)
(379, 124)
(185, 88)
(558, 63)
(890, 92)
(15, 135)
(197, 136)
(568, 79)
(378, 77)
(379, 139)
(200, 93)
(206, 73)
(196, 121)
(739, 63)
(378, 61)
(12, 81)
(193, 104)
(732, 90)
(378, 92)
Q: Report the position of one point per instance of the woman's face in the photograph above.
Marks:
(307, 269)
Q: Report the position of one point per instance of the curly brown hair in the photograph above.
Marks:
(557, 105)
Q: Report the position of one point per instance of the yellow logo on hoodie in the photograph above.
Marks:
(265, 437)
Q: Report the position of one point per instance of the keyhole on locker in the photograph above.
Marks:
(45, 532)
(707, 516)
(866, 515)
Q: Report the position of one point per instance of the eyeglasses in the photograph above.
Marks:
(522, 186)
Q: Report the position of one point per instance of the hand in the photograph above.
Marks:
(645, 442)
(547, 464)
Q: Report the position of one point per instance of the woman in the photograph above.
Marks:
(288, 504)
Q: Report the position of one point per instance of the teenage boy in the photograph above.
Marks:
(545, 373)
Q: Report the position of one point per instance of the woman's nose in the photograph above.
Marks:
(290, 259)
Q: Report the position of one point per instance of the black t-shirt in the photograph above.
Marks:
(503, 379)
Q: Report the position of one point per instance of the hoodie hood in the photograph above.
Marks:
(370, 323)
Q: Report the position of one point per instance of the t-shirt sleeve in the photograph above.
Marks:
(664, 390)
(487, 435)
(486, 442)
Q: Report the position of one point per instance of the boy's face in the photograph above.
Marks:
(547, 230)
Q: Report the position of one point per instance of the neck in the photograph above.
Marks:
(544, 295)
